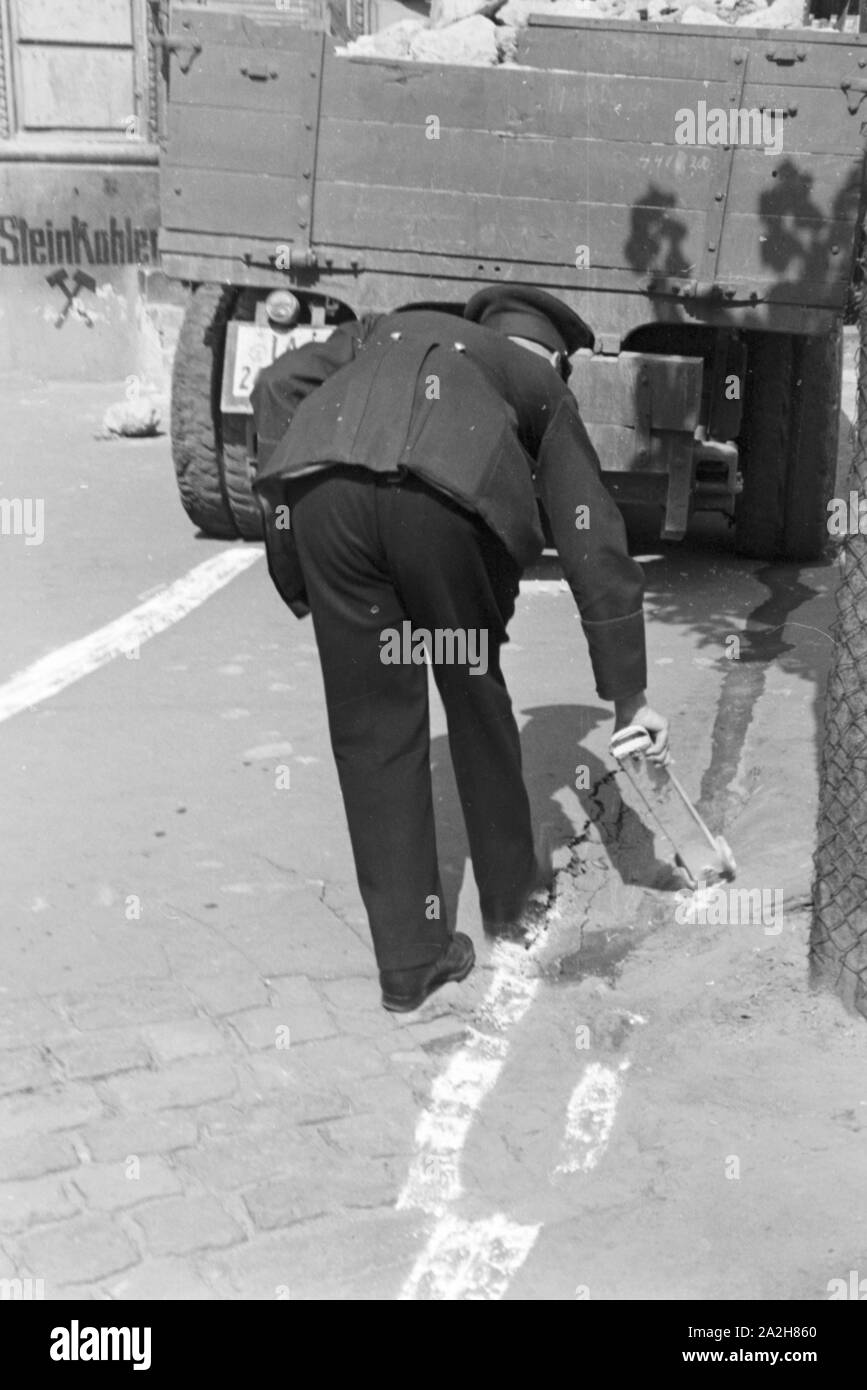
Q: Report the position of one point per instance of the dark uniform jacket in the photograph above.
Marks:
(480, 418)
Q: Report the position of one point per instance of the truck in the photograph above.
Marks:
(695, 193)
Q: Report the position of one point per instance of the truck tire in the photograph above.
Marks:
(764, 446)
(788, 445)
(236, 477)
(196, 447)
(816, 380)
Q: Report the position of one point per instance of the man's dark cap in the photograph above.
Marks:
(522, 311)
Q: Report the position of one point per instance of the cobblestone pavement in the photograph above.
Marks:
(200, 1096)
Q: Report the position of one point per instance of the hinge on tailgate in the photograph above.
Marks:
(721, 175)
(307, 149)
(259, 70)
(856, 90)
(302, 258)
(786, 56)
(174, 43)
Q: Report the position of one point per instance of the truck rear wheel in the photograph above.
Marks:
(788, 445)
(196, 446)
(236, 477)
(817, 381)
(764, 445)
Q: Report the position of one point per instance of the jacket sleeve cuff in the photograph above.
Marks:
(618, 655)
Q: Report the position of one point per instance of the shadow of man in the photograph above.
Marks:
(570, 789)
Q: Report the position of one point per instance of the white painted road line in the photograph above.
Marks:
(456, 1095)
(590, 1118)
(52, 673)
(475, 1259)
(478, 1259)
(470, 1260)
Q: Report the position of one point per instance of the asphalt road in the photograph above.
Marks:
(199, 1093)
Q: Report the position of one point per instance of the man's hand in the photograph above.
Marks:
(636, 710)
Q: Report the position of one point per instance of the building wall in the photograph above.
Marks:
(79, 199)
(81, 294)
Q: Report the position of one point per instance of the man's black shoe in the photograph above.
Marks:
(405, 990)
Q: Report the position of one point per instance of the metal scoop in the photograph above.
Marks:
(632, 742)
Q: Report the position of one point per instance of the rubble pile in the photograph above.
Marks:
(484, 32)
(132, 419)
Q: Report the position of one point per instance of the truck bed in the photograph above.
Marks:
(563, 170)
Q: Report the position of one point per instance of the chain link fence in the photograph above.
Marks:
(838, 941)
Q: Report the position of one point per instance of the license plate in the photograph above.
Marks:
(249, 348)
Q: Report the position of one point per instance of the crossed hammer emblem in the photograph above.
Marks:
(81, 281)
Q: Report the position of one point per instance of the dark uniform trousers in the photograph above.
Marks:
(377, 550)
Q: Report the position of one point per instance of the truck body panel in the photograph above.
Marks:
(397, 170)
